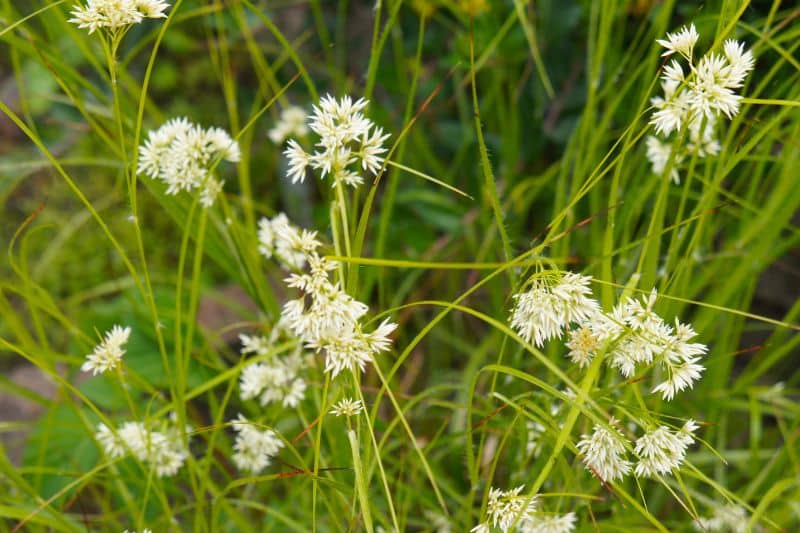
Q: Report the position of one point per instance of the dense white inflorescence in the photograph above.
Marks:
(695, 100)
(116, 15)
(543, 311)
(164, 451)
(277, 379)
(184, 155)
(292, 123)
(347, 407)
(254, 449)
(604, 453)
(288, 244)
(349, 143)
(108, 354)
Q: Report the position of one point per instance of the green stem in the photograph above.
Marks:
(317, 446)
(489, 181)
(341, 211)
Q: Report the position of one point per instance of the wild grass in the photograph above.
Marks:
(517, 147)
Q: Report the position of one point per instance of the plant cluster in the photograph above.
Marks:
(352, 390)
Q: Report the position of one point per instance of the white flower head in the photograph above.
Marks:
(111, 444)
(115, 15)
(291, 123)
(164, 451)
(660, 451)
(372, 150)
(254, 449)
(210, 191)
(659, 154)
(740, 63)
(298, 161)
(254, 344)
(222, 145)
(584, 343)
(289, 244)
(438, 522)
(534, 430)
(711, 90)
(350, 347)
(151, 8)
(108, 354)
(730, 517)
(543, 311)
(680, 360)
(327, 320)
(274, 381)
(695, 99)
(324, 318)
(681, 41)
(553, 523)
(184, 156)
(278, 378)
(673, 110)
(644, 338)
(673, 74)
(348, 143)
(604, 453)
(347, 407)
(508, 508)
(643, 334)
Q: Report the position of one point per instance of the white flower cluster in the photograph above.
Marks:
(291, 123)
(550, 305)
(507, 509)
(347, 407)
(695, 100)
(254, 449)
(286, 242)
(631, 334)
(634, 334)
(162, 450)
(183, 155)
(659, 451)
(328, 320)
(510, 510)
(604, 453)
(347, 140)
(554, 523)
(116, 15)
(438, 523)
(108, 354)
(729, 517)
(681, 41)
(275, 380)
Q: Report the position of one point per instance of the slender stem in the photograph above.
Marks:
(341, 213)
(111, 56)
(341, 200)
(317, 446)
(376, 447)
(360, 482)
